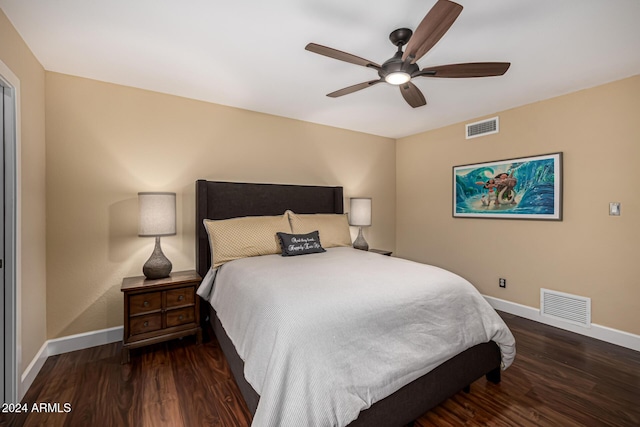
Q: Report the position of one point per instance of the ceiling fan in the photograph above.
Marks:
(402, 67)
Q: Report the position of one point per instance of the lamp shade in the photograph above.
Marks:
(360, 211)
(157, 214)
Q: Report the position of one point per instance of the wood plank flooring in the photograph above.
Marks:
(557, 379)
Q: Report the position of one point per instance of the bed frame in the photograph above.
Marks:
(223, 200)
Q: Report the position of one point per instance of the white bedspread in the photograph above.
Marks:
(324, 336)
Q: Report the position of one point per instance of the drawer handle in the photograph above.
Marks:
(180, 298)
(146, 303)
(181, 317)
(146, 323)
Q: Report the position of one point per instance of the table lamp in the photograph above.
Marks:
(360, 216)
(157, 218)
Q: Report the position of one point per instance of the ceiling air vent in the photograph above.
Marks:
(485, 127)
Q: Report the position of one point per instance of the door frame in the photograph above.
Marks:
(12, 300)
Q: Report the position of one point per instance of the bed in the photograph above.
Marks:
(225, 200)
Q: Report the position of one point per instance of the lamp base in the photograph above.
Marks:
(157, 266)
(360, 243)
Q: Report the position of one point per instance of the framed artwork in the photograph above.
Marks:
(521, 188)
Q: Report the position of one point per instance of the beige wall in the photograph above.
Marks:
(31, 273)
(589, 253)
(105, 143)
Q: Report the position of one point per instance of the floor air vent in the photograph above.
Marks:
(485, 127)
(569, 308)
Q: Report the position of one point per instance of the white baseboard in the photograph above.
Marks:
(602, 333)
(84, 340)
(32, 370)
(65, 345)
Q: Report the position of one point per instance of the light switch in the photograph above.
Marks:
(614, 208)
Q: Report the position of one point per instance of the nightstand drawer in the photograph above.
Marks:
(180, 316)
(144, 303)
(181, 296)
(148, 323)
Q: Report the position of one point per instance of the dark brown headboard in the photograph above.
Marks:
(224, 200)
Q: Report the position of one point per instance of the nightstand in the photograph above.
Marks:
(160, 309)
(381, 252)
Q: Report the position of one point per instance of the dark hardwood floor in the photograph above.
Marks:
(557, 379)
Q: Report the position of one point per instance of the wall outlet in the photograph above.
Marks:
(502, 283)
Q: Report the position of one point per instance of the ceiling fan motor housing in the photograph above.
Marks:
(397, 65)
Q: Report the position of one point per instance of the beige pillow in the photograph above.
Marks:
(244, 237)
(332, 228)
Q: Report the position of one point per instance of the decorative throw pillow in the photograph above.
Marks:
(245, 237)
(332, 228)
(300, 244)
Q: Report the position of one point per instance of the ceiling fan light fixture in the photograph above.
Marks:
(397, 78)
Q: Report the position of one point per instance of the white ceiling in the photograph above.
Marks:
(250, 54)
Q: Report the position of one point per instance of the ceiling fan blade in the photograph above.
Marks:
(342, 56)
(354, 88)
(434, 25)
(412, 95)
(471, 69)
